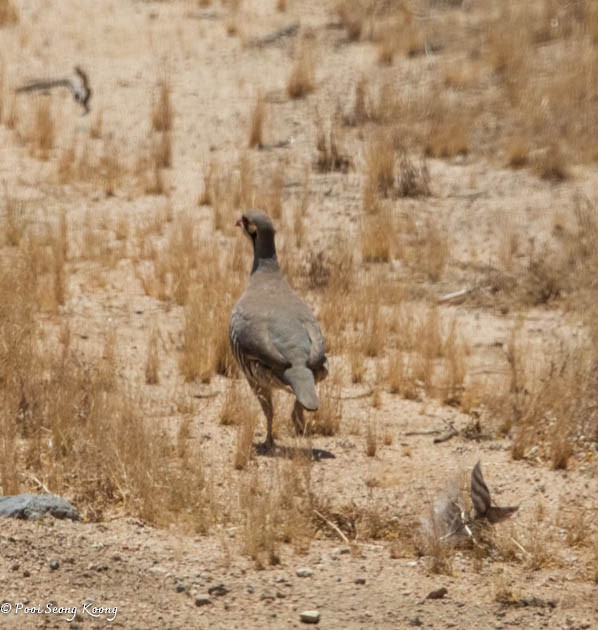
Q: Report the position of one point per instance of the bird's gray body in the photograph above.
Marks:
(274, 336)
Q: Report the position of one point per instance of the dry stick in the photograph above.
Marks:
(332, 526)
(41, 484)
(431, 432)
(288, 31)
(356, 397)
(455, 295)
(210, 395)
(445, 437)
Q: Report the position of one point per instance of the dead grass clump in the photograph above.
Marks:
(70, 427)
(388, 46)
(237, 407)
(518, 152)
(277, 508)
(371, 440)
(110, 169)
(360, 113)
(95, 129)
(256, 128)
(352, 14)
(412, 181)
(8, 13)
(162, 150)
(447, 137)
(152, 362)
(302, 80)
(549, 401)
(43, 133)
(550, 164)
(402, 375)
(162, 111)
(14, 219)
(427, 251)
(244, 441)
(332, 272)
(330, 156)
(375, 237)
(380, 161)
(205, 334)
(327, 419)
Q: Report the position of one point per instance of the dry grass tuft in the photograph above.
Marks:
(65, 422)
(277, 508)
(550, 164)
(162, 111)
(8, 13)
(518, 152)
(371, 440)
(302, 80)
(327, 419)
(256, 128)
(375, 237)
(43, 133)
(162, 150)
(412, 181)
(152, 361)
(352, 14)
(330, 156)
(207, 307)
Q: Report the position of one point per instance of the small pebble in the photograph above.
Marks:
(310, 616)
(218, 589)
(359, 580)
(303, 572)
(203, 600)
(54, 564)
(180, 588)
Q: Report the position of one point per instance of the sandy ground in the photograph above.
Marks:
(158, 578)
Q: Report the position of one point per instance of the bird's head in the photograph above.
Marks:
(256, 225)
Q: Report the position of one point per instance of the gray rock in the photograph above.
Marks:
(32, 506)
(54, 564)
(303, 572)
(218, 589)
(310, 616)
(202, 600)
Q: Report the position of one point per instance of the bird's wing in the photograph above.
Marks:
(253, 335)
(317, 350)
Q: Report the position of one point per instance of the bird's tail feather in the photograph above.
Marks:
(301, 380)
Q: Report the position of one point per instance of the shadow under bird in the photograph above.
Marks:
(274, 336)
(78, 84)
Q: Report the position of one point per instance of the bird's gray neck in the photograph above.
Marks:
(264, 253)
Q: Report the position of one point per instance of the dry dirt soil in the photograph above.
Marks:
(368, 564)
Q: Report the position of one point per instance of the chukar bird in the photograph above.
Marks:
(78, 84)
(274, 336)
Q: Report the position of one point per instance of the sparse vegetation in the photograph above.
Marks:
(439, 217)
(302, 80)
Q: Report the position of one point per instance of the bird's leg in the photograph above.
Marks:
(265, 398)
(298, 419)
